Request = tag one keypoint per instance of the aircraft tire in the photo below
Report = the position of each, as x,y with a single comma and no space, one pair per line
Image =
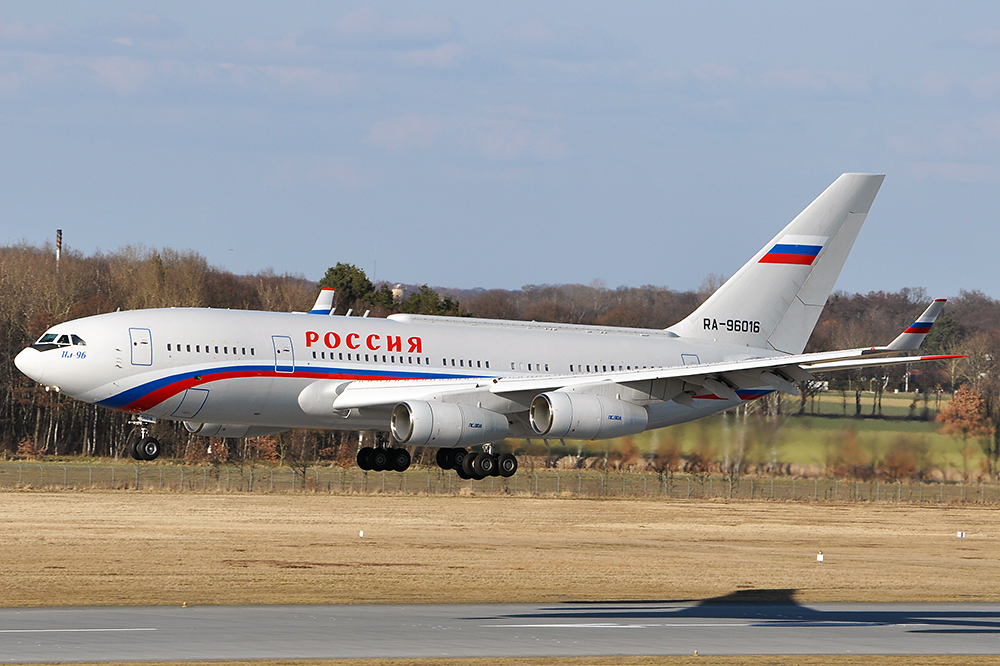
483,465
444,459
148,448
461,473
132,445
400,459
365,455
457,457
380,460
496,465
467,466
507,465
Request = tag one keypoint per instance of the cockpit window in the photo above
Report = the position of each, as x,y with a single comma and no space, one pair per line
57,340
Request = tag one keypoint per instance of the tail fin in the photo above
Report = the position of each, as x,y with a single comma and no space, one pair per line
775,299
914,335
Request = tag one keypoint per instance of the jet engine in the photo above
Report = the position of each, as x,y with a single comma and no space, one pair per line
444,424
229,430
577,416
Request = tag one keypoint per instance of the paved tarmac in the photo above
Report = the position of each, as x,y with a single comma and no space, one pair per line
496,630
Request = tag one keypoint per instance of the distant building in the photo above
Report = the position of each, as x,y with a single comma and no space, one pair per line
399,293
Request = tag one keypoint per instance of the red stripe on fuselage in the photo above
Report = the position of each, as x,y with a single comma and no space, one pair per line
154,398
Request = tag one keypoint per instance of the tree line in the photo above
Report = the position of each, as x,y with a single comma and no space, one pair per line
37,292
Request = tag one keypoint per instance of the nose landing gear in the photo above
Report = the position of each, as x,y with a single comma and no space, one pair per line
140,445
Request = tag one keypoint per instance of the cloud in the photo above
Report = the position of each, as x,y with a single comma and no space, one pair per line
984,37
507,139
370,27
325,171
816,80
441,57
954,171
141,25
498,133
409,131
21,32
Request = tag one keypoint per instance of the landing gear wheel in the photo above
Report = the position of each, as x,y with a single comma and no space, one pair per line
132,445
444,459
457,457
380,460
461,474
507,465
496,465
148,448
365,456
483,465
400,459
467,467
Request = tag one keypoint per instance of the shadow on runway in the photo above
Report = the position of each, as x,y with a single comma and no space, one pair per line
773,608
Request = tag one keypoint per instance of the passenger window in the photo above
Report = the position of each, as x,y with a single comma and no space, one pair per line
546,367
479,364
189,347
588,368
366,358
216,349
314,354
168,346
197,348
225,350
383,358
487,364
461,362
251,351
244,351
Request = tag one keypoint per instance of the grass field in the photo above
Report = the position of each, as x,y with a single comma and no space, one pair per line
99,548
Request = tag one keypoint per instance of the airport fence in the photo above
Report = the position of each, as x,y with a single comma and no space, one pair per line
527,482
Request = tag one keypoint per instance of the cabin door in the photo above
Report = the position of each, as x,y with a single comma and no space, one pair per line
284,355
142,346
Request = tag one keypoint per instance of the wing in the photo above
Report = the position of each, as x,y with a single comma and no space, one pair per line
679,383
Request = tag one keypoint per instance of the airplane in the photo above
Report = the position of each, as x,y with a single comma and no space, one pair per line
453,383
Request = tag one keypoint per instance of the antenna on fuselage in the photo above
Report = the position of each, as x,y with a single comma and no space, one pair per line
349,311
365,314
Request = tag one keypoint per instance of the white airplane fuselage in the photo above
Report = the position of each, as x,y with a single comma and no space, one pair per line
251,368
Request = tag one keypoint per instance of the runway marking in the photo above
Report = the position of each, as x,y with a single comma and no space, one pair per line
66,631
610,625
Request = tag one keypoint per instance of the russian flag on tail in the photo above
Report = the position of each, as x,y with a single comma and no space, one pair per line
794,250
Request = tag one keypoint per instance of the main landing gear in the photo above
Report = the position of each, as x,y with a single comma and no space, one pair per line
141,446
382,458
478,466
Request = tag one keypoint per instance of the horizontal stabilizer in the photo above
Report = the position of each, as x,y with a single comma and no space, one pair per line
324,302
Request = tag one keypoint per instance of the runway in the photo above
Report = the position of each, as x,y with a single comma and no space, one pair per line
505,630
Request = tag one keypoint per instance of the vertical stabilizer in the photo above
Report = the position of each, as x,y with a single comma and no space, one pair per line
774,301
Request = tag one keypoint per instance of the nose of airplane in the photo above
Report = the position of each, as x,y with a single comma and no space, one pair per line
30,362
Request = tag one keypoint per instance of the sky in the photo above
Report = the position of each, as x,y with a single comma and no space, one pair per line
498,145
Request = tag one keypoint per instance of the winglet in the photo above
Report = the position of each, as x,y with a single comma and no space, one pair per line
914,335
324,302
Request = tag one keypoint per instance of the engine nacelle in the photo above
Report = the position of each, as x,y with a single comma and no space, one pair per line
229,430
579,416
445,424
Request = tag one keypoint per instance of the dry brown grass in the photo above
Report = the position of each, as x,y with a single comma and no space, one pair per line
146,548
765,660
